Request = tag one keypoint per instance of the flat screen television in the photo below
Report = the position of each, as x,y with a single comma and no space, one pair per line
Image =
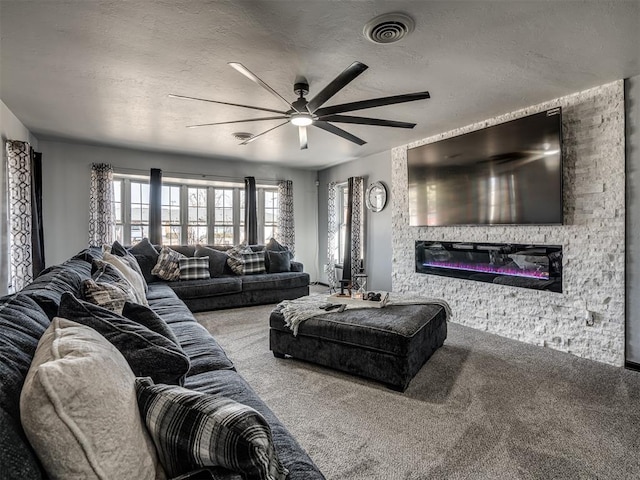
507,174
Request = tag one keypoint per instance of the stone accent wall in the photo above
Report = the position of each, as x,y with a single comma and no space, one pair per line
593,237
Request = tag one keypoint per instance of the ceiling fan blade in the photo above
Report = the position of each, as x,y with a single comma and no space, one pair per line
374,102
237,121
338,131
366,121
302,133
171,95
337,84
253,77
249,140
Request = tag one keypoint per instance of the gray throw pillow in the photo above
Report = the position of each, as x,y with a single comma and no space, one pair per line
148,353
273,246
111,295
192,429
147,257
217,259
150,319
278,261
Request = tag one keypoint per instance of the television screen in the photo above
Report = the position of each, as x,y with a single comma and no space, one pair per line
507,174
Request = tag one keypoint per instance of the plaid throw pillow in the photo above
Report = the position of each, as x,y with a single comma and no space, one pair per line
168,266
111,296
194,268
193,429
246,262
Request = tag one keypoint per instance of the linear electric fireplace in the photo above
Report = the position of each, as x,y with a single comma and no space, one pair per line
520,265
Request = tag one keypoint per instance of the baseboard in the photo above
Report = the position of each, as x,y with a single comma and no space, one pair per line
632,366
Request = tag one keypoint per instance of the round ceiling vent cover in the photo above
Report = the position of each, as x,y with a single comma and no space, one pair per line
388,28
242,136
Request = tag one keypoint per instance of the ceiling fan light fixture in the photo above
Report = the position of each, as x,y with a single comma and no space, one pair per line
301,119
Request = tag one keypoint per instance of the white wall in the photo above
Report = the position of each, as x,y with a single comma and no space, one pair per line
66,171
632,103
593,239
377,241
10,129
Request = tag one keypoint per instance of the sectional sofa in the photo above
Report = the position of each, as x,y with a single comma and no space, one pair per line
26,315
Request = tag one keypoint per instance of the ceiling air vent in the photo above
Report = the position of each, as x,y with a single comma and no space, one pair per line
388,28
242,136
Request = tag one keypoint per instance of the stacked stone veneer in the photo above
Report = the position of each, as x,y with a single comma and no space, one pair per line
593,238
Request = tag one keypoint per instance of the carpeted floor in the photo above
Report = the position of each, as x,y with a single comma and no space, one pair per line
483,407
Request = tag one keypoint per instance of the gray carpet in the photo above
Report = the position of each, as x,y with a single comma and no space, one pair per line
483,407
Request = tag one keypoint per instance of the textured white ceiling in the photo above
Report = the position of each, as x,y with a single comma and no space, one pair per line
100,71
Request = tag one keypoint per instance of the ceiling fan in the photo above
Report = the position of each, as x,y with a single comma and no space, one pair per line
303,113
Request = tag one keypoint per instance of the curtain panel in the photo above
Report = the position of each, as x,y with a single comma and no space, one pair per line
102,224
20,266
250,211
356,205
155,206
332,234
286,230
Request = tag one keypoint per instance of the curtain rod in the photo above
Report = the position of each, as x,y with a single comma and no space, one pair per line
202,176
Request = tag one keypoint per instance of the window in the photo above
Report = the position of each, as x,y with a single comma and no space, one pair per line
171,224
192,212
197,230
342,200
270,214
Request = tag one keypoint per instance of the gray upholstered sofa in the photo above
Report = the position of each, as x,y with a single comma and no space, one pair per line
230,290
24,317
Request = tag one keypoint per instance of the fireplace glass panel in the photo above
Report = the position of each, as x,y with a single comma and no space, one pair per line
520,265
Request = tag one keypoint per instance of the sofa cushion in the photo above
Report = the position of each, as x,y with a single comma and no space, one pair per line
277,262
247,262
22,323
130,274
275,281
17,459
194,268
78,408
186,250
89,254
168,266
147,257
111,296
49,286
150,319
148,353
208,287
118,250
193,429
217,259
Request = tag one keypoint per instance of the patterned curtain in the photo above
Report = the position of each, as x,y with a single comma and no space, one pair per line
356,234
20,267
332,234
286,232
102,223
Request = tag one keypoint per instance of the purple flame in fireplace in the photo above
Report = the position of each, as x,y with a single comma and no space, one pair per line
488,268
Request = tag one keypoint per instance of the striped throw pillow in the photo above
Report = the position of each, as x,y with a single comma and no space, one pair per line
194,268
193,429
168,266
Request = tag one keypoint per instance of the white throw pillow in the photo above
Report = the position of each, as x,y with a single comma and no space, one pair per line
130,275
79,410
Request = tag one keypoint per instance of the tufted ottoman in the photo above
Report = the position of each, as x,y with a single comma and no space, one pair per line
389,344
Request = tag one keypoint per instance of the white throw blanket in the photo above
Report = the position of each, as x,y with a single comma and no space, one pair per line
297,311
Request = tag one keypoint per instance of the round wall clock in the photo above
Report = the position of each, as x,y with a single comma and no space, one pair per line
375,197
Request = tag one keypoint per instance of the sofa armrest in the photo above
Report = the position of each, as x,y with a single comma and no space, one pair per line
296,266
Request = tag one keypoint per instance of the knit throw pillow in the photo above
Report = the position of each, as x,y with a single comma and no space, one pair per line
194,268
193,429
168,264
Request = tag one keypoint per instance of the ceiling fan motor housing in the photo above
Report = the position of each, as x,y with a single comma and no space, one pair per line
301,88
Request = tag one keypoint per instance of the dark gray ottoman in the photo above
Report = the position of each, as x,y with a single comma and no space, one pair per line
389,345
